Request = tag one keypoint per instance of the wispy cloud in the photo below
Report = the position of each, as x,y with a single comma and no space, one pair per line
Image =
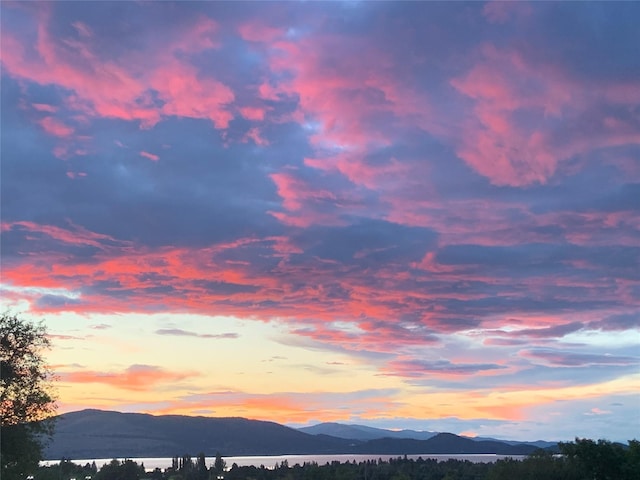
184,333
135,377
151,156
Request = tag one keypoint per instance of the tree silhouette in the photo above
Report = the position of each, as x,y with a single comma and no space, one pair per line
202,473
601,460
219,465
26,401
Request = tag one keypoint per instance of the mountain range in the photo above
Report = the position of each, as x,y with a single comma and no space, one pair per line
107,434
362,432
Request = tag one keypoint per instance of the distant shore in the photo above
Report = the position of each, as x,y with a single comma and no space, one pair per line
269,461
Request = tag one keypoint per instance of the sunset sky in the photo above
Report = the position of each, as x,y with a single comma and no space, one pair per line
400,214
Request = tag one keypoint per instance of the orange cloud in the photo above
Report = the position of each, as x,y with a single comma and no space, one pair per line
135,377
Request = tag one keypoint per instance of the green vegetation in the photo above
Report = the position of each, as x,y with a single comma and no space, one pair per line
66,470
26,401
580,460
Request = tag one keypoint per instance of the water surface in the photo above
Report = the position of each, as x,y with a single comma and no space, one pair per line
269,461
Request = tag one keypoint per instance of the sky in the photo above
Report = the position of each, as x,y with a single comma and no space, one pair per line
398,214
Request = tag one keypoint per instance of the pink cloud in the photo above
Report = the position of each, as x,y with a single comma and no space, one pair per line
253,113
441,368
75,235
55,127
305,203
343,94
255,31
598,411
457,220
43,107
74,175
595,228
284,246
254,135
82,29
268,92
198,36
150,156
372,303
294,191
62,152
187,95
510,139
367,335
497,11
375,177
350,104
430,263
122,88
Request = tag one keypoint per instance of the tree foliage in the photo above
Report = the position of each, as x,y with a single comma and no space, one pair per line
26,400
219,465
541,465
65,470
121,470
602,460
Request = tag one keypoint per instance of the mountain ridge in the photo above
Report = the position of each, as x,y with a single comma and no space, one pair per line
95,433
364,432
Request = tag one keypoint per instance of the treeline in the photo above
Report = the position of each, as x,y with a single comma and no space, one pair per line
580,460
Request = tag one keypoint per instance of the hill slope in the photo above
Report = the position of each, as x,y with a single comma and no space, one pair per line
102,434
442,443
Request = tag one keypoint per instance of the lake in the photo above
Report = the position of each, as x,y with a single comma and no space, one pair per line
269,461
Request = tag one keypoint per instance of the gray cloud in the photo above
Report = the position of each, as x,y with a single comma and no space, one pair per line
572,359
178,332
